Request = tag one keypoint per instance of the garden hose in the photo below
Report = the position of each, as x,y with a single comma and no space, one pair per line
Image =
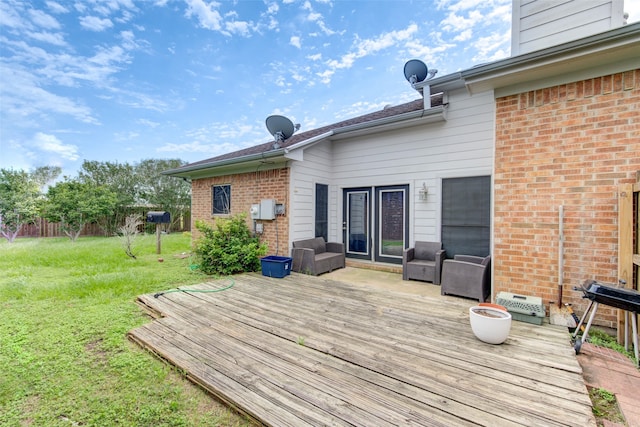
202,291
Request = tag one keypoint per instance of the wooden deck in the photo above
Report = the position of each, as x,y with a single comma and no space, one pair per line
305,350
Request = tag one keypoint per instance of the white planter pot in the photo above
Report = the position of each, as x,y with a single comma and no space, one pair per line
490,324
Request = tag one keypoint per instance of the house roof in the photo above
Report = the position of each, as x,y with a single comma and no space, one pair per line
266,150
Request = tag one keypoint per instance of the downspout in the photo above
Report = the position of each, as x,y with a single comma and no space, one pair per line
560,253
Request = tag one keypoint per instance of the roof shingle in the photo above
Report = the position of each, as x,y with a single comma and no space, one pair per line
415,105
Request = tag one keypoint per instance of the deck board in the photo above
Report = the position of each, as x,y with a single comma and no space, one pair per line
305,350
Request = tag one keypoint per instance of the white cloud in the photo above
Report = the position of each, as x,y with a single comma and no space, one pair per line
93,23
238,27
206,13
493,47
213,139
56,7
148,123
25,97
453,22
432,52
51,144
43,20
366,47
464,36
126,136
56,39
295,41
209,17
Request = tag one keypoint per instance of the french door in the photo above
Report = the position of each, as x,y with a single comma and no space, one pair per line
376,222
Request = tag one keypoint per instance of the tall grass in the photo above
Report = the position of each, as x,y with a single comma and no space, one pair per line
65,310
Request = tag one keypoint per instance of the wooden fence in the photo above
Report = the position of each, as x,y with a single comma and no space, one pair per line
43,228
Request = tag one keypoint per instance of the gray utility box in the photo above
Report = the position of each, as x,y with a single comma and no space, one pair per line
158,217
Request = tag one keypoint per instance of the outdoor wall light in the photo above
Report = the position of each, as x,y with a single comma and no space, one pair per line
422,193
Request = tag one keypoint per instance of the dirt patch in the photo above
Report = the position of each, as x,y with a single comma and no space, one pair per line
95,348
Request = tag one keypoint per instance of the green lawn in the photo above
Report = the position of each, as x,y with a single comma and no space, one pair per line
65,360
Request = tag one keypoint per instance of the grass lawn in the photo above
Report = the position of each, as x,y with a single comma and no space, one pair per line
65,360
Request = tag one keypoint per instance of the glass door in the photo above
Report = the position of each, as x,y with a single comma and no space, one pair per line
356,224
392,219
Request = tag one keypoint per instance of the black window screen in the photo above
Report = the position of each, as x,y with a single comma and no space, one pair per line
322,211
221,199
466,211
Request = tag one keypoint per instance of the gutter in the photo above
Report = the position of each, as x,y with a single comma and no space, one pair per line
618,37
607,38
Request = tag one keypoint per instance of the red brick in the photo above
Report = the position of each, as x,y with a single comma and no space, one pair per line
576,157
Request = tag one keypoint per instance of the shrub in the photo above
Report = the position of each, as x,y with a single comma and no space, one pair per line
228,247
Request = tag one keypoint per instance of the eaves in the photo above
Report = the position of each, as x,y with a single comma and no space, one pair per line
609,52
604,53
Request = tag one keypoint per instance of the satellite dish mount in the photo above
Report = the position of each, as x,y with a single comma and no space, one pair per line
281,128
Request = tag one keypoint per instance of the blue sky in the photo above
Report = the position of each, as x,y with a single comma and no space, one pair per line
125,80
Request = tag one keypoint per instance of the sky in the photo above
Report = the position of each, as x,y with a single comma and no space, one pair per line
125,80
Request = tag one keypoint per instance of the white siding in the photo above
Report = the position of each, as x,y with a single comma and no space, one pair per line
304,175
460,146
538,24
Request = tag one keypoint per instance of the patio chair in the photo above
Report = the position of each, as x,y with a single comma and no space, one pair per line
315,256
423,262
467,276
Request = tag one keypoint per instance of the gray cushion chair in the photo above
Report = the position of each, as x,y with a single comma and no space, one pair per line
315,256
423,262
467,276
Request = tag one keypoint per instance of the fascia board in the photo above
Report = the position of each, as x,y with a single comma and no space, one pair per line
294,152
568,76
203,169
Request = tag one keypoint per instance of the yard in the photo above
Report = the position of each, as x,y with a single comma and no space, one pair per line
65,310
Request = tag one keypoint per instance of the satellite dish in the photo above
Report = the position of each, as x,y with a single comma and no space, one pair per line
281,128
416,71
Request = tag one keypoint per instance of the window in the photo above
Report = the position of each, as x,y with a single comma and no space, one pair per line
221,195
322,211
466,212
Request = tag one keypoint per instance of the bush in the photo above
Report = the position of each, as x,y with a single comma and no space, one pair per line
228,247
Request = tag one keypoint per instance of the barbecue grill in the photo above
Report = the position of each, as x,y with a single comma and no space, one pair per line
624,299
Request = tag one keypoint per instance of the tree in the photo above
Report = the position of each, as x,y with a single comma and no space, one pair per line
21,196
161,191
121,179
74,204
43,175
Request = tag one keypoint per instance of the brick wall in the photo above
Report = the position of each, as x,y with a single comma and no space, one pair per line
570,145
247,189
